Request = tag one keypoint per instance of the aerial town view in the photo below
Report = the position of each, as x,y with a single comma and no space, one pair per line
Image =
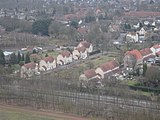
79,59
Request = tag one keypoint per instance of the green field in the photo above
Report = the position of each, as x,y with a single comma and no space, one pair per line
6,114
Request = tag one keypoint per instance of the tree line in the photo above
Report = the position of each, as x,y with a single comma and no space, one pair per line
14,58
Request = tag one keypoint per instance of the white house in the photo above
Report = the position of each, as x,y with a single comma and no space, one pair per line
87,45
142,33
47,63
146,23
64,58
108,69
155,49
7,55
136,26
29,69
133,36
80,53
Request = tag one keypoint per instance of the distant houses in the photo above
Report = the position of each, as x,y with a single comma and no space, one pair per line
104,71
49,63
133,36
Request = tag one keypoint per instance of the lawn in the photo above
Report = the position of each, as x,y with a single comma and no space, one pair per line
6,114
52,53
102,59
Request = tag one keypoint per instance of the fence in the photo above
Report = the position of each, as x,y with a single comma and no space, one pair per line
83,104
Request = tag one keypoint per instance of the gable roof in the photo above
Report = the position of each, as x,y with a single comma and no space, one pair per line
141,14
65,53
85,44
145,51
156,46
90,73
135,53
109,65
81,49
48,59
132,33
31,65
82,30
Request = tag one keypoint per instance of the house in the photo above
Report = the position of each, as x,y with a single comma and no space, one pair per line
64,58
7,56
147,54
47,63
2,30
142,33
155,49
132,58
108,69
133,36
80,53
89,77
114,28
87,45
29,69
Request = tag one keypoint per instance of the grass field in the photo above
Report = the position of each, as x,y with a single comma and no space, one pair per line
6,114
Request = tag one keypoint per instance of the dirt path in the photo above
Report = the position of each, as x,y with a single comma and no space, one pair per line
59,115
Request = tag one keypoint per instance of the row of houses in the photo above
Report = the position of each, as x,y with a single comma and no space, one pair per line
104,71
138,57
133,59
65,57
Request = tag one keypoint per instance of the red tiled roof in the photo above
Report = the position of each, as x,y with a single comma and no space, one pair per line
133,33
142,14
158,53
109,65
48,59
34,56
82,30
145,51
81,49
65,53
85,44
148,57
90,73
31,65
136,53
156,46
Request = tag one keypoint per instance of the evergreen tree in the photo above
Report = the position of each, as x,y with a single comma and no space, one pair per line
13,58
34,51
22,58
46,55
19,57
2,58
27,58
144,68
